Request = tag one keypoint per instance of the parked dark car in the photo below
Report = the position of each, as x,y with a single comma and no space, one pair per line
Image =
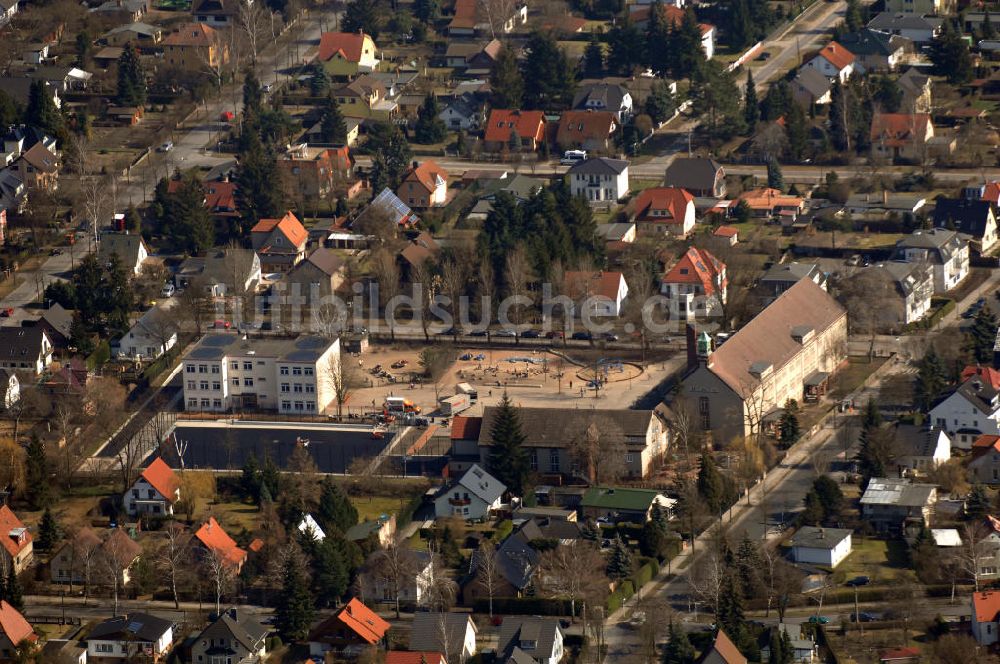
864,616
530,334
859,581
582,336
477,333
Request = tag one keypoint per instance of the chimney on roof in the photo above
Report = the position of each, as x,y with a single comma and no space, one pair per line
415,164
822,533
232,613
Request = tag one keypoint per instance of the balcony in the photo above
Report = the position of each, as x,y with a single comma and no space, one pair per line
459,502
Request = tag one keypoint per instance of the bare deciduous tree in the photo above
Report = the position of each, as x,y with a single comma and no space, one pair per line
253,26
386,272
117,553
393,568
598,451
518,274
343,379
488,574
221,573
174,556
574,572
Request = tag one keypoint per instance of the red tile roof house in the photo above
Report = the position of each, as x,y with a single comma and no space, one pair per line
424,185
723,651
464,451
833,61
14,630
664,211
316,173
598,293
349,631
986,616
155,491
592,131
695,286
214,541
727,236
280,243
901,135
503,124
15,542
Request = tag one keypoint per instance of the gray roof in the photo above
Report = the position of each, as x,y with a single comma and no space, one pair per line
692,173
790,272
216,346
901,492
241,626
887,201
522,186
517,630
607,95
59,318
913,82
600,166
916,441
141,626
980,394
216,269
124,245
872,42
21,344
547,528
966,215
326,261
614,232
462,49
426,635
819,538
482,484
906,277
557,427
939,244
138,27
518,656
813,82
889,21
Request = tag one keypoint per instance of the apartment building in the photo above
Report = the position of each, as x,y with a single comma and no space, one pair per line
226,372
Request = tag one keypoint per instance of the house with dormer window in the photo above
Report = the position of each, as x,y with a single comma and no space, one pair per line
530,638
25,349
280,243
695,286
16,547
235,637
474,496
155,492
971,410
424,185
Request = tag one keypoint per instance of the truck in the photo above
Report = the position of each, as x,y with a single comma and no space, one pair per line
400,405
454,405
465,388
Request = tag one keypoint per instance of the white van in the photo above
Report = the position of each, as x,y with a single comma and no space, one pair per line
571,157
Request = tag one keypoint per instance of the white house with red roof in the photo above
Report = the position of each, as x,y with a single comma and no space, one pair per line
599,293
280,243
14,630
833,61
213,540
347,53
16,546
695,287
986,616
155,491
665,211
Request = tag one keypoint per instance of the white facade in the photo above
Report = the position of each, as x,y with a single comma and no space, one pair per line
260,374
124,650
150,337
947,274
13,392
964,420
603,305
142,498
414,589
831,70
460,502
599,188
828,557
921,463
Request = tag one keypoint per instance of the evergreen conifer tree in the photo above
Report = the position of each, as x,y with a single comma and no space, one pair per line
335,509
751,108
429,127
331,123
295,607
620,563
508,460
48,531
711,486
131,78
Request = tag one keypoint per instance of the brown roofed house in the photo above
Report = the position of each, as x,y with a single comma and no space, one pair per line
503,125
195,46
424,185
280,243
587,130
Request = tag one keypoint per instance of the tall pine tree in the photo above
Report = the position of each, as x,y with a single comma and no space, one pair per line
295,607
982,336
335,509
593,59
506,84
678,649
37,482
751,109
931,380
429,127
508,460
131,78
331,123
711,486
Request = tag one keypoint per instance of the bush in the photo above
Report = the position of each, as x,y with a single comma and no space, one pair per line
504,528
100,356
273,642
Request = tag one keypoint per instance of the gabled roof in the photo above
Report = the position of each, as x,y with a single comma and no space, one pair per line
820,538
692,173
466,428
790,272
220,195
986,605
133,626
14,626
9,523
968,216
192,34
481,484
727,650
602,283
240,626
23,344
589,125
426,633
124,245
428,174
358,618
917,441
872,42
599,166
603,95
161,477
836,55
346,45
556,427
289,226
518,631
389,203
768,198
120,549
987,374
898,129
527,125
325,260
421,248
897,492
673,200
58,318
41,159
213,537
889,21
697,266
813,81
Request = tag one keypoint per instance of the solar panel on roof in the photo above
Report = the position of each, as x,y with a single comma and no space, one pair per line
388,198
134,626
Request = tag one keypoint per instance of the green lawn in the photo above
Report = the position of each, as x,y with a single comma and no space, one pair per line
852,376
372,507
884,562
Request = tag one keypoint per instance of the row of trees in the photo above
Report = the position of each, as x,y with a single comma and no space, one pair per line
545,79
101,295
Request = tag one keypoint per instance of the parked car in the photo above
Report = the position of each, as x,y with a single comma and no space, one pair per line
168,290
859,581
819,620
610,336
555,335
7,312
864,616
530,334
582,336
477,333
56,252
451,331
222,325
166,146
399,364
505,333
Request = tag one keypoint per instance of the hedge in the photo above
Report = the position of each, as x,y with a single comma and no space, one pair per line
620,595
100,356
532,606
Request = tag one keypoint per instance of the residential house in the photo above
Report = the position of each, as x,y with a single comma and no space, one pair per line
382,530
13,197
280,243
976,219
901,135
365,97
821,546
890,504
787,351
986,617
462,113
600,180
879,207
503,125
37,168
811,86
600,293
217,13
212,541
18,88
235,637
766,202
804,649
833,61
516,562
472,55
782,276
624,504
319,275
154,492
917,91
112,550
701,176
130,249
347,53
665,211
588,130
413,591
10,389
918,29
424,185
151,336
416,253
122,10
970,410
550,434
220,273
309,527
616,236
474,496
464,451
984,462
451,633
920,449
673,15
610,97
472,18
348,632
14,631
195,47
696,285
7,10
25,349
391,207
723,651
62,78
16,543
921,7
36,54
133,635
316,173
945,251
530,638
314,135
874,50
905,291
64,651
143,35
521,187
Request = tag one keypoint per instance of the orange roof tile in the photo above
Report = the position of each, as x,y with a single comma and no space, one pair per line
663,204
988,374
10,523
836,55
697,266
601,283
426,174
727,650
766,198
527,124
213,537
899,653
897,129
986,604
414,657
363,621
726,231
162,478
192,34
576,126
220,195
465,14
14,626
991,192
348,44
466,428
289,225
